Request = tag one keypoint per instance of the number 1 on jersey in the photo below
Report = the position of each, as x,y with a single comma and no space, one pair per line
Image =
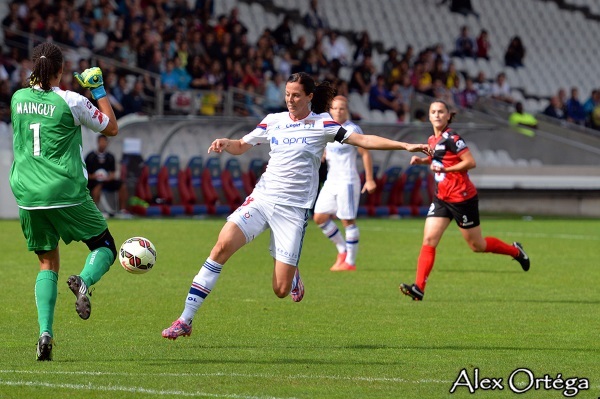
36,138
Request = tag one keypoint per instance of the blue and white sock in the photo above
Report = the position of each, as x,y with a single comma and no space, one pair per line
330,229
352,236
202,285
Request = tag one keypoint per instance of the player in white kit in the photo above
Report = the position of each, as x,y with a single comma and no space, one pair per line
340,194
285,192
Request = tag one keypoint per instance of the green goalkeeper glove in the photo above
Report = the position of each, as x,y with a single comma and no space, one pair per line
91,79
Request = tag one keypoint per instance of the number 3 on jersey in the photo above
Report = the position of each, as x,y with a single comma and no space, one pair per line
36,138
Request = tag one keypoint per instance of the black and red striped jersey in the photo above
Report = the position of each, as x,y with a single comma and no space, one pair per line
450,186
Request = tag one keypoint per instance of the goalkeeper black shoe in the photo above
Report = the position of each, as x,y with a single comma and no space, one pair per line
83,306
44,348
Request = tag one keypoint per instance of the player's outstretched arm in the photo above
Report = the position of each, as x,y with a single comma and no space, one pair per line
234,147
372,142
92,79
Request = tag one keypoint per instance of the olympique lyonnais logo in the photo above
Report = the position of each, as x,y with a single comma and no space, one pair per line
520,381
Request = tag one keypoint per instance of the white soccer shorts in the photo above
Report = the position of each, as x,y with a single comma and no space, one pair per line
341,200
287,224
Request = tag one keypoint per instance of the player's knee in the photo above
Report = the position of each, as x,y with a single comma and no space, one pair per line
281,292
320,218
477,246
221,251
103,240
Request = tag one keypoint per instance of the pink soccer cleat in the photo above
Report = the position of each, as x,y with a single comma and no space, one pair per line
341,258
178,329
343,267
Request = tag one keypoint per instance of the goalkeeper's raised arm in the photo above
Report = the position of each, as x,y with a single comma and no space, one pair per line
92,79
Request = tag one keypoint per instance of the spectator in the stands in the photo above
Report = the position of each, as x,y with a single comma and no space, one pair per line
5,97
463,7
465,45
389,69
574,109
483,45
405,91
133,102
501,89
421,78
555,109
283,34
175,77
438,71
363,45
361,76
274,94
441,92
468,97
198,73
380,98
452,76
314,19
513,57
523,121
591,103
335,48
420,116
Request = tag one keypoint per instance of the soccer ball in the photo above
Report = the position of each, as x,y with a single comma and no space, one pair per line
137,255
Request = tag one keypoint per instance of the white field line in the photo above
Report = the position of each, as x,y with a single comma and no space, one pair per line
117,388
235,375
506,233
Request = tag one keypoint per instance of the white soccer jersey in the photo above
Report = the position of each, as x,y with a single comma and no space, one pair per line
341,159
84,112
292,174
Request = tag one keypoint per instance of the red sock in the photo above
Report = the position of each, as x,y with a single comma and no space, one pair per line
424,266
497,246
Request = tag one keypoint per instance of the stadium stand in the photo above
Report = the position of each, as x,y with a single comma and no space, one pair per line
557,34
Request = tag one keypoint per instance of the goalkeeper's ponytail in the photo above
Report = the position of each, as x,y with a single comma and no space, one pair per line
47,63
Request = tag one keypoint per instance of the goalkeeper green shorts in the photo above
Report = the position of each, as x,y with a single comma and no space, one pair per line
43,228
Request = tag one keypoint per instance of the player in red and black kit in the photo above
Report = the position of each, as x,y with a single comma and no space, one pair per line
455,198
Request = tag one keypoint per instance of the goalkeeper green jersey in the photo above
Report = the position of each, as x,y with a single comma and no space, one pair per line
48,170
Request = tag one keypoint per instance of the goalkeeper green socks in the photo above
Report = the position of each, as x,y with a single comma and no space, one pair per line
45,299
96,265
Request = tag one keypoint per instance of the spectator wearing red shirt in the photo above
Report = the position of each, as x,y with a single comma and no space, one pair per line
455,198
483,45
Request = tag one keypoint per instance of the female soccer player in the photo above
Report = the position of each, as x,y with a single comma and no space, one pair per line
285,193
341,192
455,198
49,181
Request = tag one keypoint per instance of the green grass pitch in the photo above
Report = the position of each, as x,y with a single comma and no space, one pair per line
353,336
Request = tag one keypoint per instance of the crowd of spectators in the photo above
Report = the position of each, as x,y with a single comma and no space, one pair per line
178,48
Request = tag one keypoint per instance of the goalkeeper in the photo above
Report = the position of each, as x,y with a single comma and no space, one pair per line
49,181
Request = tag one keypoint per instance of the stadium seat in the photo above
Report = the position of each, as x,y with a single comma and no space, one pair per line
390,188
368,202
147,189
233,184
168,187
418,189
199,196
256,168
212,175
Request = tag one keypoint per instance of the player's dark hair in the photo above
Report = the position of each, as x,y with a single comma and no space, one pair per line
322,92
452,113
47,63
